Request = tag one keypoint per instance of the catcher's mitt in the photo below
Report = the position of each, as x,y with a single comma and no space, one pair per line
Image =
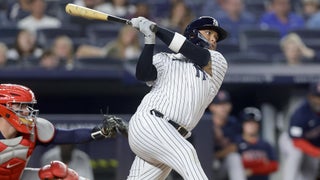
110,126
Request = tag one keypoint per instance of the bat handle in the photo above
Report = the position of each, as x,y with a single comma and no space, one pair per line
153,27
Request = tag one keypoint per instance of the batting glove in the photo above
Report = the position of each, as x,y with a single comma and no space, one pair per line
144,26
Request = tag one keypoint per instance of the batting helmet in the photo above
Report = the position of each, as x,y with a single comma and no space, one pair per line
204,22
22,116
251,114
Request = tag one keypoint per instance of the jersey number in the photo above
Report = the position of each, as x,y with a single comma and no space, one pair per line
199,71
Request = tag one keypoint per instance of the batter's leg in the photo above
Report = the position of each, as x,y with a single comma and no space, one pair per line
141,169
161,143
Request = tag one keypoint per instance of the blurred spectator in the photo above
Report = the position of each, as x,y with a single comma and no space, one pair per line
83,22
227,161
88,3
258,156
300,145
63,48
72,157
179,17
210,6
18,10
281,17
3,55
311,10
38,19
125,47
49,60
142,9
234,17
121,8
25,48
296,52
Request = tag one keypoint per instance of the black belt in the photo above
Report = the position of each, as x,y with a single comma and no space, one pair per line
183,131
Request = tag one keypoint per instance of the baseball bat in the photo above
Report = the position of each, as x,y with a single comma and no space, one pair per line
80,11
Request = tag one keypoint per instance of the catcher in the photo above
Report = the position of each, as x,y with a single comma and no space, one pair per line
22,130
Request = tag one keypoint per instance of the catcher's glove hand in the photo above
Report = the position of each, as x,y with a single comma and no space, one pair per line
122,126
110,126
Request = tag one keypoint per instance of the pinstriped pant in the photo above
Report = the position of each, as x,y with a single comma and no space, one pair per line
159,148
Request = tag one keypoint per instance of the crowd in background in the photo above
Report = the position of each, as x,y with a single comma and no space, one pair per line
39,33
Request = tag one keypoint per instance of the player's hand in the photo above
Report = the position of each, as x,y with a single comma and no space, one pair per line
57,170
110,126
122,125
248,172
144,25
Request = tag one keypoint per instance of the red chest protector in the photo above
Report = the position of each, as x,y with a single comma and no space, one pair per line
15,152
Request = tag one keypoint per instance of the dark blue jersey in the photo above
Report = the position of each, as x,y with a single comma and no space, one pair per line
260,157
305,124
230,131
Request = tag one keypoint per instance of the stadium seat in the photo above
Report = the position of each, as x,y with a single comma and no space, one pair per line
100,34
247,57
255,7
246,36
45,36
308,34
265,46
228,47
8,35
98,63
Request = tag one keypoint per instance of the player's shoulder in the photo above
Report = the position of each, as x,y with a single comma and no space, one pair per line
45,130
303,110
215,53
217,56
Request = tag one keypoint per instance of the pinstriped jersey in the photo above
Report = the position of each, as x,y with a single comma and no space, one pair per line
182,90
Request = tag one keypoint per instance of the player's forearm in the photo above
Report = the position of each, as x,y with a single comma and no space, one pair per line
178,43
74,136
307,147
225,151
264,169
145,71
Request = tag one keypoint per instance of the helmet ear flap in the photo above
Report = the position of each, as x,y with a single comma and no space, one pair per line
196,38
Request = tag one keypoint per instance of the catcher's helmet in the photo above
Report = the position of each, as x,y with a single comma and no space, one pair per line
22,116
251,114
204,22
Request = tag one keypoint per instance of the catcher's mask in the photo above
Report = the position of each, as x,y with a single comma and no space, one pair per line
16,106
204,22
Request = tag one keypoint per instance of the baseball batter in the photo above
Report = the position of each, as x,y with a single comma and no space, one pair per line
21,130
183,85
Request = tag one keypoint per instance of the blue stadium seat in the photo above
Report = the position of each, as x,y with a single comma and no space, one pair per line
264,46
228,47
98,63
247,58
246,36
100,34
45,36
8,35
255,7
308,34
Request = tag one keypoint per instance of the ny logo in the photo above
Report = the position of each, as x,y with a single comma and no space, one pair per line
200,71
